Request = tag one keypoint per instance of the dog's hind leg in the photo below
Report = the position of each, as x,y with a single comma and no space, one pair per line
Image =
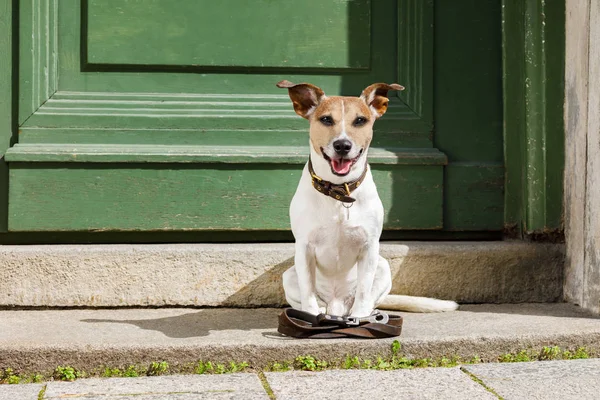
291,289
382,283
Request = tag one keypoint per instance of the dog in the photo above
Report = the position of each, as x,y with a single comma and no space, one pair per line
336,214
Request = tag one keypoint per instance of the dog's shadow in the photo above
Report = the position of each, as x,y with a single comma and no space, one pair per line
265,289
201,322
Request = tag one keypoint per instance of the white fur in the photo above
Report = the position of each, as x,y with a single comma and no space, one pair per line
338,268
416,304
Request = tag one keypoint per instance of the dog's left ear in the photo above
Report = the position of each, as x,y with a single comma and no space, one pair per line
305,96
376,97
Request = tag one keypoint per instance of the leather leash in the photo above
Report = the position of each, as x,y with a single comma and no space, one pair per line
303,325
340,192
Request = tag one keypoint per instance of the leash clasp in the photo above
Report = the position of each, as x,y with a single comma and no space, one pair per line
377,317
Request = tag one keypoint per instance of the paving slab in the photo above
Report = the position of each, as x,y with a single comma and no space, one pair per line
548,380
231,386
249,275
20,392
426,383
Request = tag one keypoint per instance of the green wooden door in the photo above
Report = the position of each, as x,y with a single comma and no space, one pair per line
155,115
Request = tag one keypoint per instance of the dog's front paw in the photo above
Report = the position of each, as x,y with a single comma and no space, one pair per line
311,306
361,312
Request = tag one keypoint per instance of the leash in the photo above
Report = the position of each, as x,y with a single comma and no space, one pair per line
303,325
340,192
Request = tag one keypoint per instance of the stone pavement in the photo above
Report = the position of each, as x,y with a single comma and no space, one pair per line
548,380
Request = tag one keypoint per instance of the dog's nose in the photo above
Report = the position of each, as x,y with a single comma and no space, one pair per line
342,146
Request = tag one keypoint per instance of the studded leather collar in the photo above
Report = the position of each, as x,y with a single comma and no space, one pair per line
340,192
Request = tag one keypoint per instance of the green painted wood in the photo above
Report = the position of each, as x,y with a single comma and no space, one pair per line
473,197
533,41
468,112
220,102
6,102
261,33
468,76
415,56
186,111
38,54
513,36
106,153
205,137
240,80
172,122
6,76
142,197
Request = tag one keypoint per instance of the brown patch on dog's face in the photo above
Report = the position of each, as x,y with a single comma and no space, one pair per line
338,116
341,128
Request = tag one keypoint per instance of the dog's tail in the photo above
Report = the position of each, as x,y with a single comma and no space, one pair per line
416,304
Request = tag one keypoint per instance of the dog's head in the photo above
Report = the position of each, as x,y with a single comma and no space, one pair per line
341,128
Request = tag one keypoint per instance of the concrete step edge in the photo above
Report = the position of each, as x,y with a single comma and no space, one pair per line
39,341
249,275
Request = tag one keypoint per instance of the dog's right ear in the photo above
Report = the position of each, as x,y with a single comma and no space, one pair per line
305,97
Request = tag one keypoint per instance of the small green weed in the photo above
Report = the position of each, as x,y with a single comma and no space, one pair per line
381,364
521,356
580,353
545,354
279,367
8,376
550,353
448,362
67,373
474,360
220,369
42,393
211,368
309,363
158,368
351,362
204,368
129,372
111,372
237,367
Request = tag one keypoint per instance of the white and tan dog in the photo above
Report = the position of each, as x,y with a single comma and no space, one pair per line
338,269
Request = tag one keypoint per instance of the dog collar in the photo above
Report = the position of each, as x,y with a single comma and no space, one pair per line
340,192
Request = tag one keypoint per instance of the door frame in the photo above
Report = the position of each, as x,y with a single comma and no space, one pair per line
533,46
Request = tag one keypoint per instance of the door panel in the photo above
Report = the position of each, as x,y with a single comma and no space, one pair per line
137,115
261,33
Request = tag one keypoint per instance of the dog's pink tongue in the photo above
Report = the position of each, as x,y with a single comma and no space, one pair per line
341,166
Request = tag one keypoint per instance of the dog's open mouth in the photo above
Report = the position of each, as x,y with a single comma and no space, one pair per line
341,166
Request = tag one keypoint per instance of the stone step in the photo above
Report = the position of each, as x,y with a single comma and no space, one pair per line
249,275
41,340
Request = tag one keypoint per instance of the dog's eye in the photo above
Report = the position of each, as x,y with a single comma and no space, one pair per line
326,120
359,121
